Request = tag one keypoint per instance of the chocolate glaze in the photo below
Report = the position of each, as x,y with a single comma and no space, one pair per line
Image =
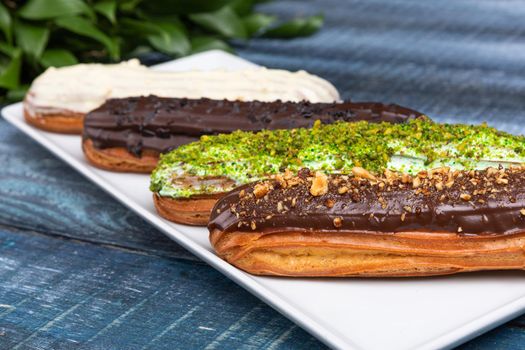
489,202
161,124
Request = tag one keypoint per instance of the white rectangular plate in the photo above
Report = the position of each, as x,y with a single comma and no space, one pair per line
423,313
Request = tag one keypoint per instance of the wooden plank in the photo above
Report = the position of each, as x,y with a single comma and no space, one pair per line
56,293
41,193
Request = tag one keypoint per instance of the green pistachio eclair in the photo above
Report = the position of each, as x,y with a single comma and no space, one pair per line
219,163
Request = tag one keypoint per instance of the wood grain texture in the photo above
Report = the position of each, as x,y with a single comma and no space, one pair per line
60,293
44,194
78,270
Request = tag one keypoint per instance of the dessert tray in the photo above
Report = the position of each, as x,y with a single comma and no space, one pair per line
396,313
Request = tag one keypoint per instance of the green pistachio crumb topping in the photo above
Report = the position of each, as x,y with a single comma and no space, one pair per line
409,147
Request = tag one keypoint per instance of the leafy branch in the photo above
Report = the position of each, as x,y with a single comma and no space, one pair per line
37,34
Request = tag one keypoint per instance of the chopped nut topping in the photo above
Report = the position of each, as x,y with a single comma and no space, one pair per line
338,222
253,225
382,201
363,173
281,181
294,181
319,184
390,176
491,171
261,189
465,196
502,181
417,195
405,178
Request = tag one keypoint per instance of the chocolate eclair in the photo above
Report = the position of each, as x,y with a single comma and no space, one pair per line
188,179
129,134
59,98
436,222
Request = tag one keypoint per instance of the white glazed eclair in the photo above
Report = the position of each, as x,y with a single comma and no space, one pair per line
59,98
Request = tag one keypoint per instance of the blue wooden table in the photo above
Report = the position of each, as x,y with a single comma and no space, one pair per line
78,270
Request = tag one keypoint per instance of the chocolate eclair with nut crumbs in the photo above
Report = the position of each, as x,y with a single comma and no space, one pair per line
438,221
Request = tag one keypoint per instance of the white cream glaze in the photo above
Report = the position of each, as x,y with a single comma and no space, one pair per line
84,87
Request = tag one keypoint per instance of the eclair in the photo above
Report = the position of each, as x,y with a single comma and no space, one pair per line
128,134
436,222
59,98
189,179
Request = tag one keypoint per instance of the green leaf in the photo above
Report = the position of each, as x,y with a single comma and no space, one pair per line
172,40
107,8
5,23
128,5
297,27
183,6
81,26
10,74
205,43
8,49
224,21
18,93
31,39
242,7
57,58
257,23
166,36
140,28
47,9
